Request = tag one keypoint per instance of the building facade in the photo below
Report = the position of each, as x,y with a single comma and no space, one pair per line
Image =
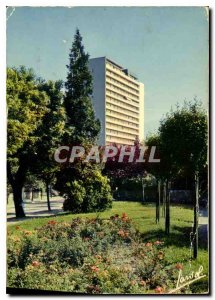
118,99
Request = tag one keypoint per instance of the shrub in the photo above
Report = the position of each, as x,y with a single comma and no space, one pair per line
89,195
93,256
74,200
98,193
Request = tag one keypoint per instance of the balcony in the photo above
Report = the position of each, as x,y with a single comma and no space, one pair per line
120,117
127,89
113,94
120,73
126,130
122,122
113,102
122,111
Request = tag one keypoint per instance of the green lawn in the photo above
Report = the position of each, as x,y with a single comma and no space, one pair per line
177,245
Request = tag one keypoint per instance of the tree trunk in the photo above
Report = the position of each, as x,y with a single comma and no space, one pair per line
158,204
17,182
167,220
143,186
196,217
32,195
48,194
18,202
164,200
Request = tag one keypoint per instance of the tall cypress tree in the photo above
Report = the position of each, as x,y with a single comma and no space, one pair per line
82,184
81,119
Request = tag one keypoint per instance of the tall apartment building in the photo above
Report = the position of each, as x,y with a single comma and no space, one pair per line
118,100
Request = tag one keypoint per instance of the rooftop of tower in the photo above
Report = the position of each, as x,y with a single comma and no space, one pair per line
126,71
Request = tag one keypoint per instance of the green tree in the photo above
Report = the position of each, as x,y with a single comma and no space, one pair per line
82,128
26,106
183,139
51,132
183,136
81,119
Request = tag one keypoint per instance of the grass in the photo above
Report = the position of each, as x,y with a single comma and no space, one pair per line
177,244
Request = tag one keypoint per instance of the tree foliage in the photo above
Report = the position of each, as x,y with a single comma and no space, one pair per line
26,105
183,136
81,119
51,133
82,184
26,108
90,193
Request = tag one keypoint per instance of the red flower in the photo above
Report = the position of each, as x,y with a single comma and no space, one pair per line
143,283
35,263
133,282
27,232
121,233
124,217
52,222
94,269
179,266
159,290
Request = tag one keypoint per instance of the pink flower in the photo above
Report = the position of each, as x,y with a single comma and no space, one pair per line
159,290
94,269
157,243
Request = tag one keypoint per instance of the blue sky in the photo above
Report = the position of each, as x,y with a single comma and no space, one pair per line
167,48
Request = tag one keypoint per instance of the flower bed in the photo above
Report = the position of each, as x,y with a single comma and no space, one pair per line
93,256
